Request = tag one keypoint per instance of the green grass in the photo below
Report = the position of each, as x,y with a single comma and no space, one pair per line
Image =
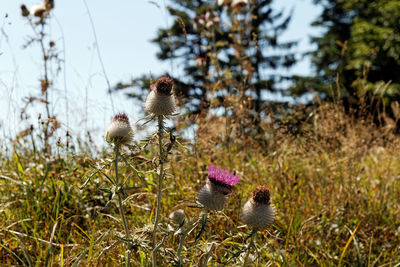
336,187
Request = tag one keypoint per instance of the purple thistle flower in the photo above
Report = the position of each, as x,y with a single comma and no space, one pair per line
222,176
214,194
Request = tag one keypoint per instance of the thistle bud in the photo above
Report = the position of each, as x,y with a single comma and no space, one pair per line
258,212
161,100
178,217
119,131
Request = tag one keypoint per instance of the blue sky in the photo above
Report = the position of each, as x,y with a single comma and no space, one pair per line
123,30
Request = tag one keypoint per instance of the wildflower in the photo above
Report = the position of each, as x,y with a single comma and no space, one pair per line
38,10
161,99
219,184
119,131
178,217
258,212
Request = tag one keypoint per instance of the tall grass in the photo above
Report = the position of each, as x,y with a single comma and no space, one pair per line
333,178
334,183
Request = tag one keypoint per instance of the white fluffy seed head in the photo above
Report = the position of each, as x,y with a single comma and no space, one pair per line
177,217
211,197
259,216
119,131
160,104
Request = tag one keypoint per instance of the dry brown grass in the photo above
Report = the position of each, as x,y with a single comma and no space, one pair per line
330,174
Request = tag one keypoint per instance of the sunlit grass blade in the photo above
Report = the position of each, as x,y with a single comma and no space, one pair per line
348,242
50,244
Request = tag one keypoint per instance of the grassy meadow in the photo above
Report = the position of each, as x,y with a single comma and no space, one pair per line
333,174
334,181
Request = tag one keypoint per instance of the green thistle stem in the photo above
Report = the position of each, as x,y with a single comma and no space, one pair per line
116,164
203,224
201,221
121,209
160,179
251,243
179,253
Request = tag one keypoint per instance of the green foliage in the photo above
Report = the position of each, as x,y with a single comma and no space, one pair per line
360,45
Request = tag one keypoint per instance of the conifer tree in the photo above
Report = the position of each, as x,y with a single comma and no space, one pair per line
360,49
223,47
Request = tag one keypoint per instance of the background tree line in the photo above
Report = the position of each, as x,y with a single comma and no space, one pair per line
234,48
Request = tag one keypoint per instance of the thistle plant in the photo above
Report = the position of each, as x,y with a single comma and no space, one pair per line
213,196
219,184
160,103
257,213
178,217
119,133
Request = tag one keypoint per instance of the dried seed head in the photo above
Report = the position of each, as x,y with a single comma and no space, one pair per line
261,194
